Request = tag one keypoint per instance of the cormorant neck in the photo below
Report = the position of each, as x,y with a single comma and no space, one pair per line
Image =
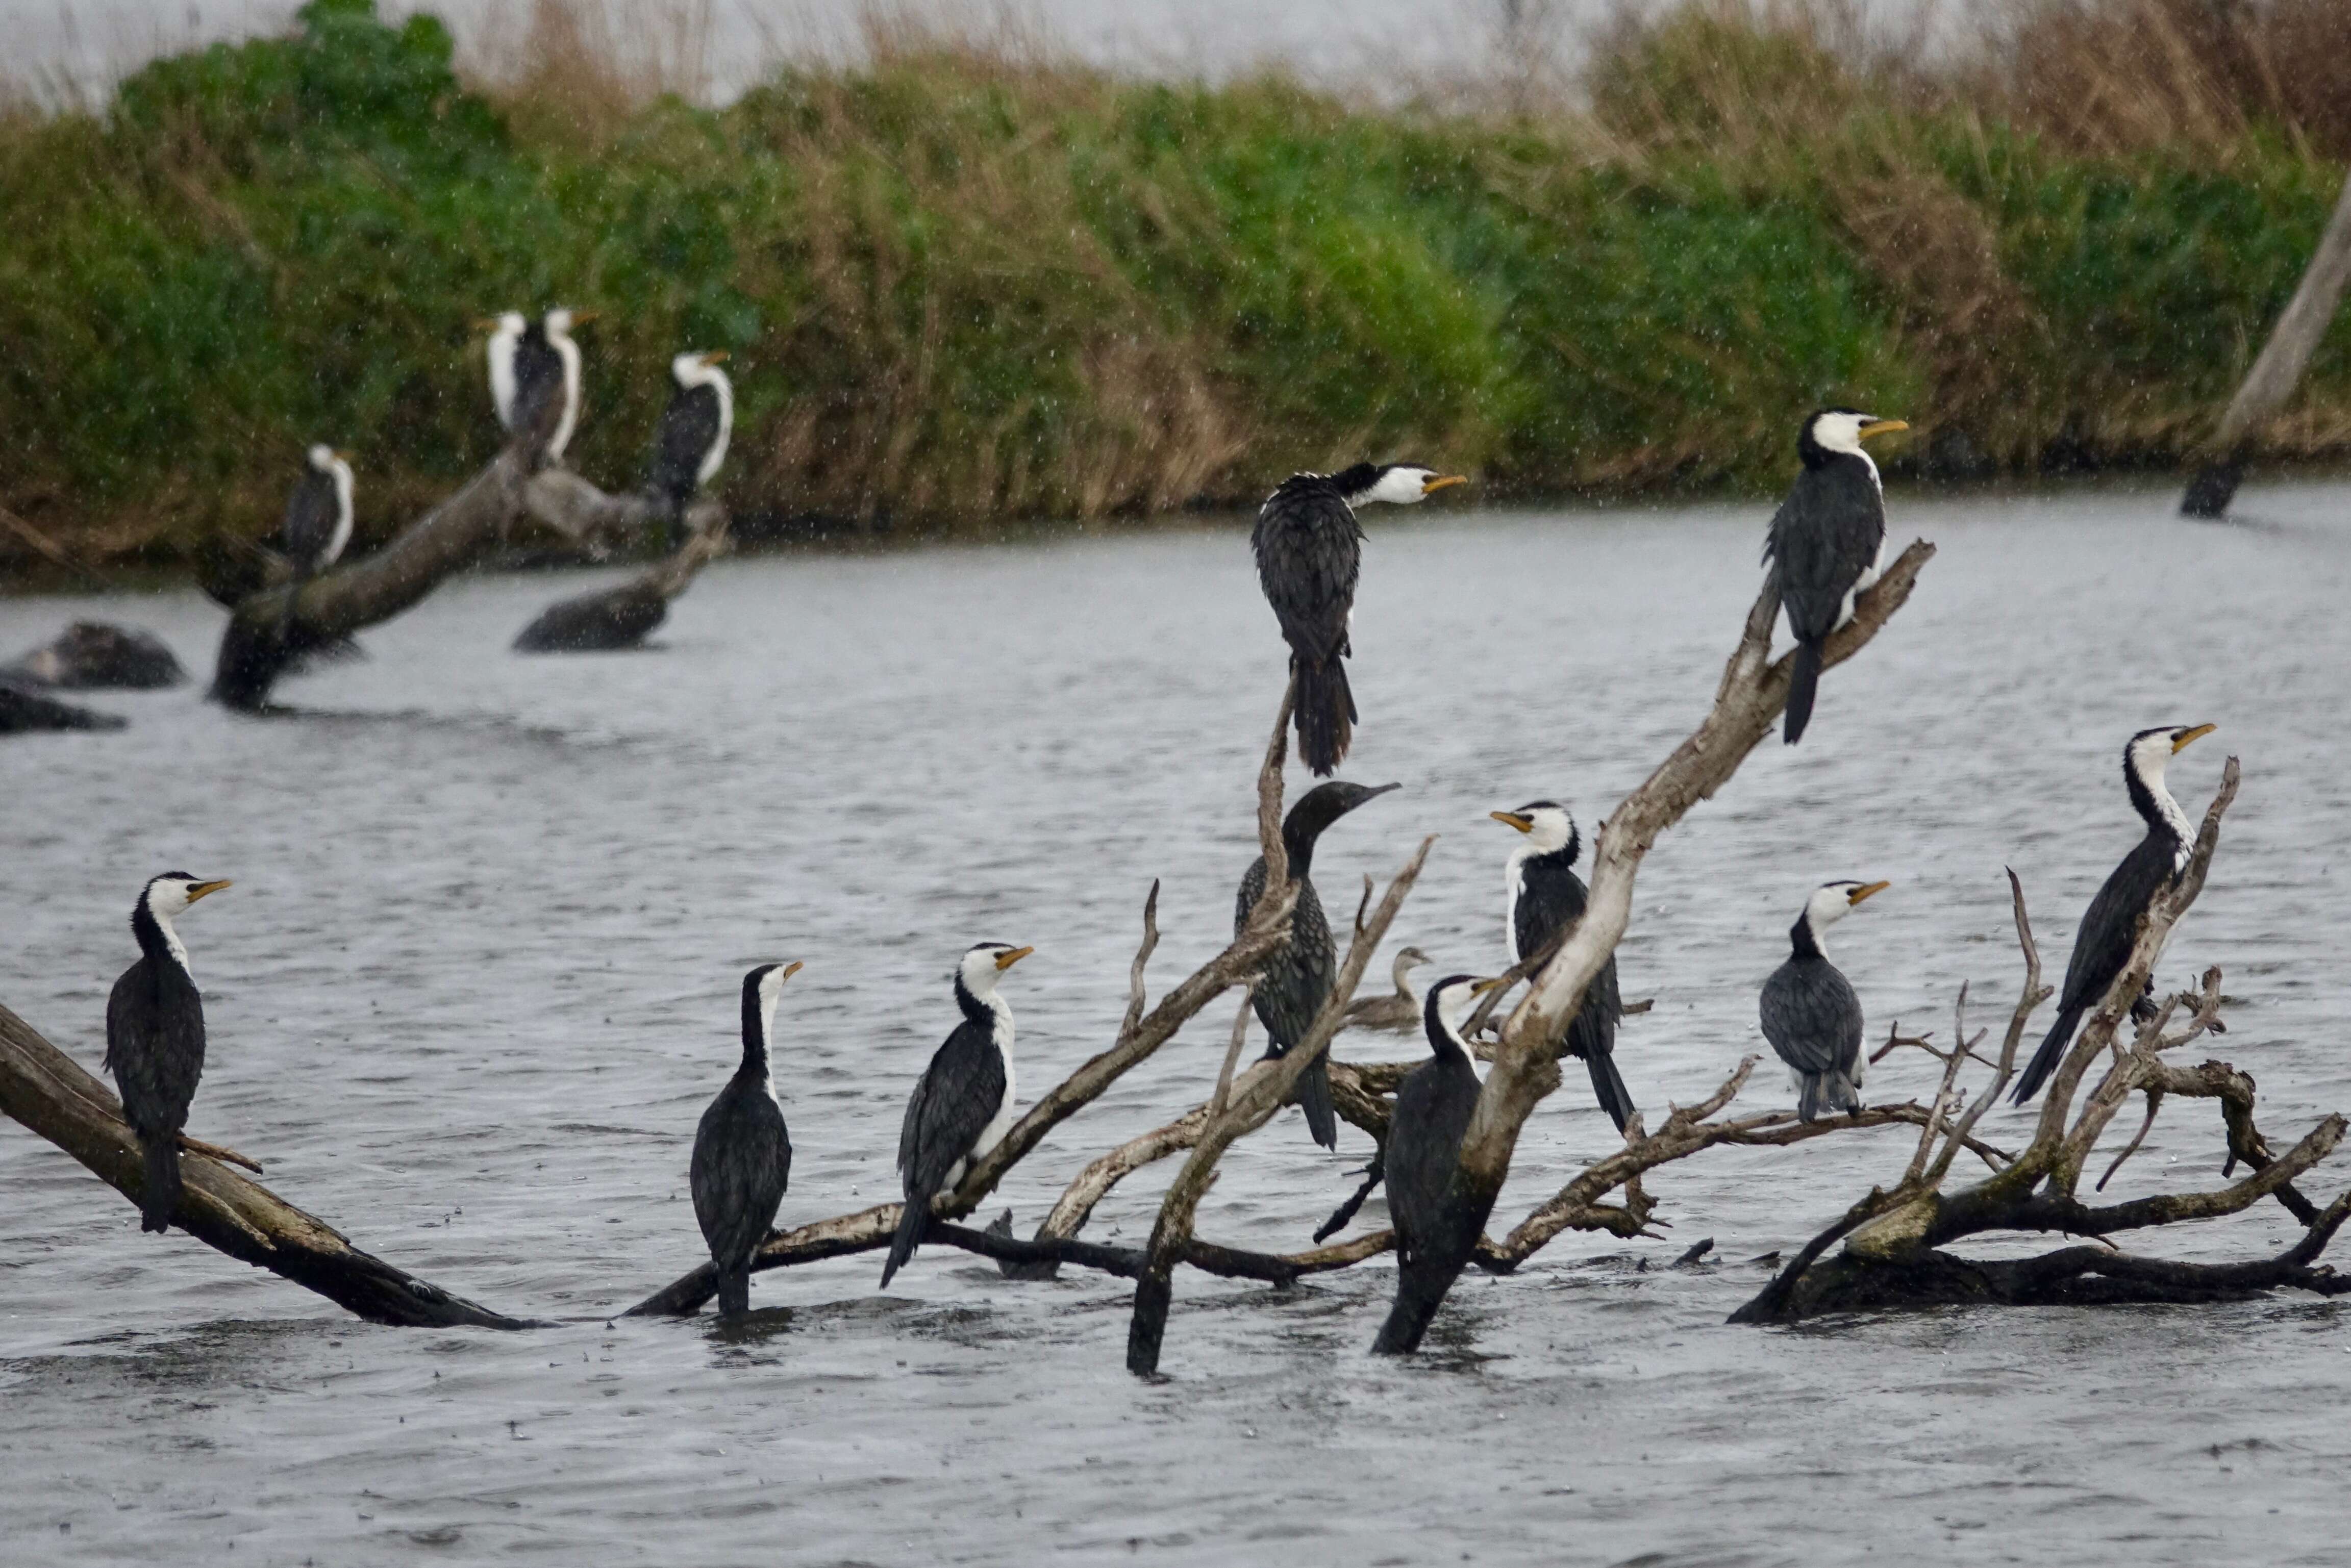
1444,1040
758,1020
1804,939
2152,800
157,939
986,1011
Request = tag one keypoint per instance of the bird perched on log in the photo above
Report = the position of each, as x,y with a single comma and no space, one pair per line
964,1103
2109,928
155,1038
1810,1015
1309,553
1541,897
1300,973
692,441
1397,1014
742,1150
1827,537
317,514
535,377
1433,1107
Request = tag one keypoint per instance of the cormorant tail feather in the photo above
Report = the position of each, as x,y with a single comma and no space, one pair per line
1326,714
2044,1060
1804,676
1608,1088
159,1199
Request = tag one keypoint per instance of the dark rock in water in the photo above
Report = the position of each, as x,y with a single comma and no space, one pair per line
596,622
1047,1270
92,655
23,710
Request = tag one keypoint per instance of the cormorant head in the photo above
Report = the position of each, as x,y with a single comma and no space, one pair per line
505,324
168,894
1326,803
1548,825
1833,901
698,370
1835,431
985,962
325,459
560,322
2150,750
1450,1002
1399,484
761,986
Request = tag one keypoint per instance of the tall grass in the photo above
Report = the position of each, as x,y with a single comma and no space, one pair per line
966,280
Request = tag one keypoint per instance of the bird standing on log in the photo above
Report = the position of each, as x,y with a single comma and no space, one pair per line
535,377
1541,897
742,1150
2109,928
1810,1015
1433,1107
1308,554
1828,537
1300,973
964,1103
692,441
155,1038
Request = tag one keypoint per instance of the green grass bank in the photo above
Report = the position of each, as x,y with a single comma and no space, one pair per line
961,288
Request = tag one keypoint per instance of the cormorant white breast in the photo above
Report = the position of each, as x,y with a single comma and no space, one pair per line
318,514
1541,897
535,377
155,1038
742,1150
1399,1013
1810,1015
692,441
2110,925
1308,554
1300,973
964,1103
1828,537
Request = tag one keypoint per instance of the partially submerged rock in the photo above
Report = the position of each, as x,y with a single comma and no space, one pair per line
92,655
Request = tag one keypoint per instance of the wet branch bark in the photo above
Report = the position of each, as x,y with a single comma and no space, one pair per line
622,616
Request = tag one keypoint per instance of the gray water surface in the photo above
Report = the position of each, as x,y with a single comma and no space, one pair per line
477,978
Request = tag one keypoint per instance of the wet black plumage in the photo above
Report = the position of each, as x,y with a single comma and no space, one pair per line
1811,1013
1434,1106
155,1041
1309,551
317,523
691,441
537,410
1826,538
742,1153
967,1089
1300,973
1547,896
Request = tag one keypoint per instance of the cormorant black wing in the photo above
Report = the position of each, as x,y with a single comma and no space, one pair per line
742,1165
1309,551
1812,1015
311,514
538,386
959,1094
1433,1107
2102,944
155,1045
1824,536
688,427
1300,973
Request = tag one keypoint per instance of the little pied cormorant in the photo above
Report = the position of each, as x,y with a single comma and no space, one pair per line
1308,554
318,514
1542,897
1300,973
2109,926
692,441
155,1038
1433,1106
1397,1014
535,377
964,1103
1810,1015
742,1150
1828,537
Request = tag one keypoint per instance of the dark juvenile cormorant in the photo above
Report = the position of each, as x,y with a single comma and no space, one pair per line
318,514
2110,925
535,377
742,1152
1542,895
1397,1014
695,428
1827,537
1432,1105
1300,973
964,1103
155,1038
1810,1015
1309,552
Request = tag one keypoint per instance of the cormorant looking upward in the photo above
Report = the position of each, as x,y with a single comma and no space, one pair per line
1828,537
964,1103
1433,1107
742,1150
1542,896
692,441
2109,928
1309,553
155,1038
1300,973
1810,1015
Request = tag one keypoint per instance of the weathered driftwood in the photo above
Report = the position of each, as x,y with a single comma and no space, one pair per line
2277,370
92,655
50,1093
24,711
621,617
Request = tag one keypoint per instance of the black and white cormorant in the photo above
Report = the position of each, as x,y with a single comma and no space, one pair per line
1542,897
1309,553
1810,1015
317,514
964,1103
155,1038
692,441
742,1150
1433,1106
1300,973
2110,925
1398,1013
1828,537
535,377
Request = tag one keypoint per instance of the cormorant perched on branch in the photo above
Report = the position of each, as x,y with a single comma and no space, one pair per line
1827,537
1810,1015
1300,973
155,1038
1433,1107
695,429
535,377
742,1150
2109,926
1309,553
317,514
964,1103
1542,896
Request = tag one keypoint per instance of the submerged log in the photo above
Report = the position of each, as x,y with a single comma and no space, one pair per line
26,712
92,655
618,618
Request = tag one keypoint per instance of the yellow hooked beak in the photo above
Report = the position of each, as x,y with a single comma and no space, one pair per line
199,889
1436,482
1482,986
485,323
791,969
2181,741
581,317
1883,427
714,356
1865,891
1512,820
342,456
1006,960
